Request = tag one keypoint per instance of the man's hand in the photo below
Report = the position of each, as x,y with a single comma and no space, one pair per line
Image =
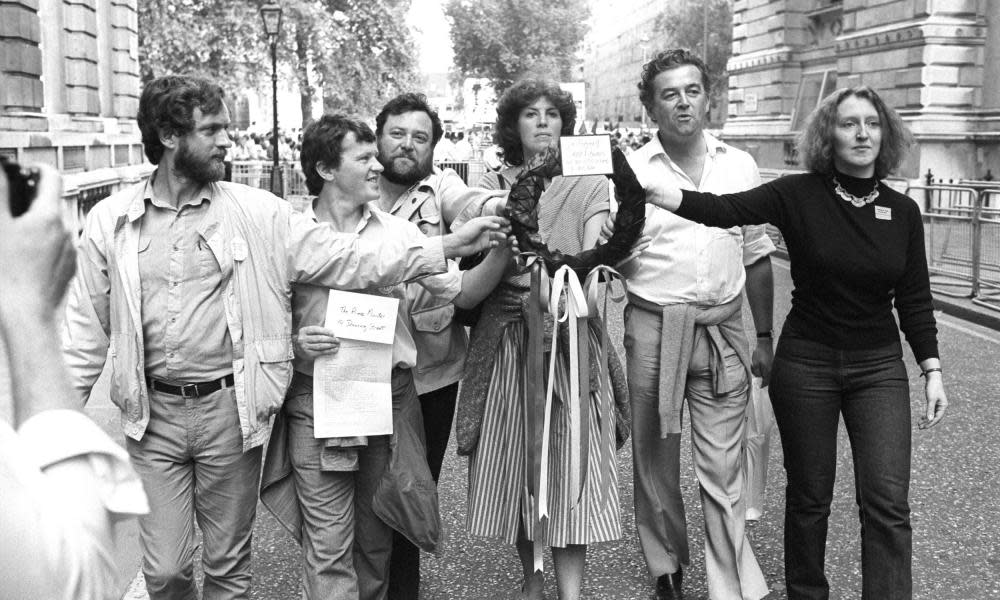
481,233
37,256
314,341
760,362
495,206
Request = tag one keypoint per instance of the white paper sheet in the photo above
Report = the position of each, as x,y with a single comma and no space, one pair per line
362,316
585,154
352,389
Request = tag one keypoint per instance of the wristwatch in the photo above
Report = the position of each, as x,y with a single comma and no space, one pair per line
764,335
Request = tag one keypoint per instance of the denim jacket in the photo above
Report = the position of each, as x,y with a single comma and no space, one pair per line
262,246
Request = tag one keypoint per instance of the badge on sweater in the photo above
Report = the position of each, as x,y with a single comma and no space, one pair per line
883,212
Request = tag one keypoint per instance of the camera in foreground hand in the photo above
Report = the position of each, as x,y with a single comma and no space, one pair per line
22,185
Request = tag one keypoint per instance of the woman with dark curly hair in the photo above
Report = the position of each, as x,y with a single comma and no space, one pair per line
856,248
531,116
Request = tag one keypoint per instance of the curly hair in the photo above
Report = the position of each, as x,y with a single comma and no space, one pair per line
166,107
664,61
815,143
410,102
518,97
322,144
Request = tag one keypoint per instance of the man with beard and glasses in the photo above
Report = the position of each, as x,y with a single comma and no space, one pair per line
407,130
183,286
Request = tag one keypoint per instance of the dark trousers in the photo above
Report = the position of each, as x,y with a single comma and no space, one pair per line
812,385
438,408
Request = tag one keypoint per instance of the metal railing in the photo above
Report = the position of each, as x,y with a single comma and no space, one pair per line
292,182
987,285
962,235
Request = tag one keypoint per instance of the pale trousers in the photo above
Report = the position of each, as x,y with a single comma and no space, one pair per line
346,546
717,437
192,465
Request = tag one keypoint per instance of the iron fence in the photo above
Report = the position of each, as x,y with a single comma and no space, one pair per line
962,235
988,242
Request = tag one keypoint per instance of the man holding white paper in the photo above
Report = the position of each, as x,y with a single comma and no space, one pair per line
322,489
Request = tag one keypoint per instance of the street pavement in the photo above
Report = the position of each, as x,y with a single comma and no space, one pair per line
955,483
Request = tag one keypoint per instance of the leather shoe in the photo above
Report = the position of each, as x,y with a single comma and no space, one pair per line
668,586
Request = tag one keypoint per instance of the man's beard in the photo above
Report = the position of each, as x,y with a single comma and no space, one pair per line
195,168
407,176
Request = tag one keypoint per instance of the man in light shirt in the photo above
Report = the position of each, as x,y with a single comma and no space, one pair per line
63,481
407,131
321,489
684,339
183,285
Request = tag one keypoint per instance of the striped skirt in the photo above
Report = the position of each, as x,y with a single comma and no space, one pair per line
498,497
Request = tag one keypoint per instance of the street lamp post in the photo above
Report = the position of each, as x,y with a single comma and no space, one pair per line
271,15
644,45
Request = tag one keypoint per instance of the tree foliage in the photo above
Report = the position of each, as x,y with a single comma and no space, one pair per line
682,24
349,52
219,39
505,40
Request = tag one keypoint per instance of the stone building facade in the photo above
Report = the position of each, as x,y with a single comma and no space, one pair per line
619,43
937,62
69,91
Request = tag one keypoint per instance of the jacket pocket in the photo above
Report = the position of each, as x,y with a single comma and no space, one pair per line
266,388
432,333
124,393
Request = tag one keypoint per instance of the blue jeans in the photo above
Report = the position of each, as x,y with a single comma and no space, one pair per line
812,385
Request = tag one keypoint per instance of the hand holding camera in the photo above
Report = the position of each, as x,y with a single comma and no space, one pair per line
37,255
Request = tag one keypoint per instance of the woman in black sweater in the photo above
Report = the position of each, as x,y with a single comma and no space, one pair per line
856,248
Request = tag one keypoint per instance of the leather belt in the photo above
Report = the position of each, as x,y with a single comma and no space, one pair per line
190,390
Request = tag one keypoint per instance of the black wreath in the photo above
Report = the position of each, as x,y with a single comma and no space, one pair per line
522,210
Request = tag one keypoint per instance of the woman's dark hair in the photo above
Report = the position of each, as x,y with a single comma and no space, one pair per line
815,144
410,102
518,97
322,144
664,61
166,107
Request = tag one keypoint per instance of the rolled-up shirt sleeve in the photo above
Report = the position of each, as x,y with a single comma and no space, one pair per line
756,244
63,483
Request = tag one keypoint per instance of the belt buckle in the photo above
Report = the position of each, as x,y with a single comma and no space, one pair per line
189,390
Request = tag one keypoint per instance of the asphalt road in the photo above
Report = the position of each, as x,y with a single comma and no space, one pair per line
956,513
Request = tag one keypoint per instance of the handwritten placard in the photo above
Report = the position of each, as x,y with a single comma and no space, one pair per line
362,316
585,154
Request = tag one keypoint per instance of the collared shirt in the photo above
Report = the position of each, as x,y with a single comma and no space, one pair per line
52,549
687,262
309,302
183,316
441,343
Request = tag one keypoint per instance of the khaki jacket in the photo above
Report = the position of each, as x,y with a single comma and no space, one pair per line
441,343
262,246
